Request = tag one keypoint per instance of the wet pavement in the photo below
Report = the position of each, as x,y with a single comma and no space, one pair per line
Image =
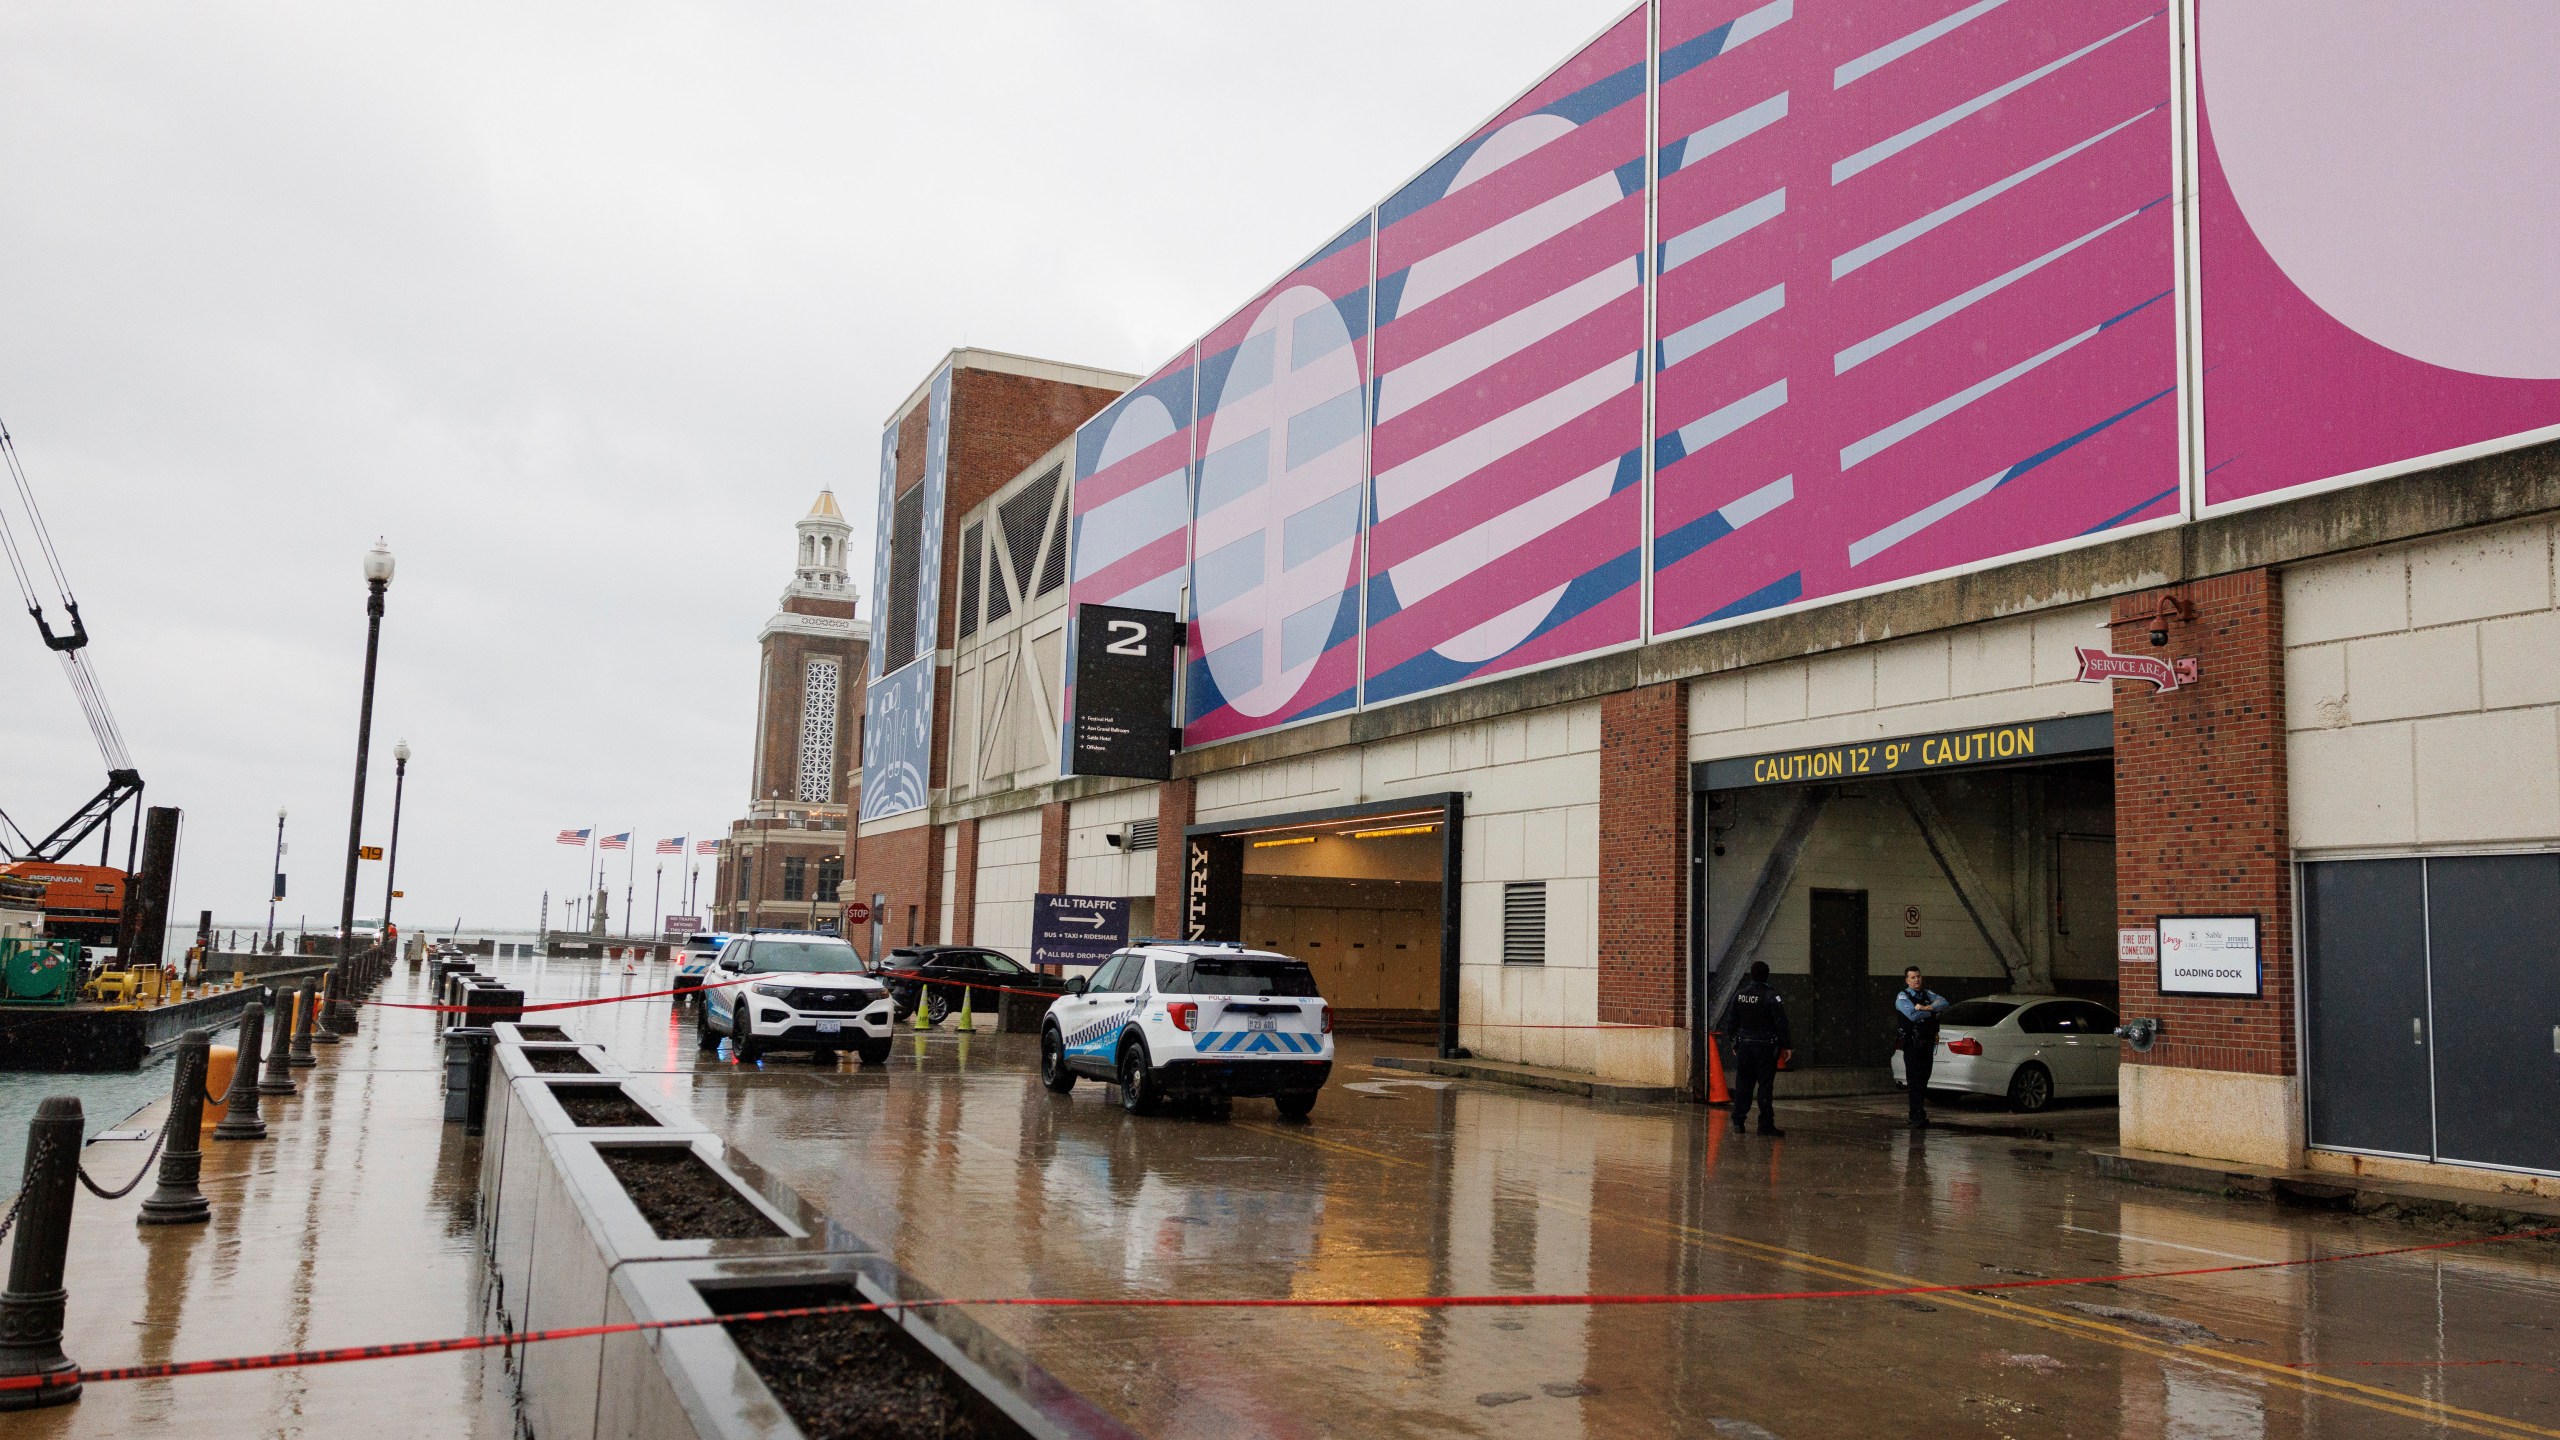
982,1184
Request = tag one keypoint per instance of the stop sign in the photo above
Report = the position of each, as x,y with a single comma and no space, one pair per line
857,912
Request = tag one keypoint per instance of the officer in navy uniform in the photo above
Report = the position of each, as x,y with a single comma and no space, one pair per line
1917,1033
1757,1027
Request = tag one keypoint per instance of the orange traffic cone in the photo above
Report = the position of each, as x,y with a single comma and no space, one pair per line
1717,1094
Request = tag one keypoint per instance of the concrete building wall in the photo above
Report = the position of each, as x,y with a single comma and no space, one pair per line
1008,875
1532,786
2422,694
952,886
2000,670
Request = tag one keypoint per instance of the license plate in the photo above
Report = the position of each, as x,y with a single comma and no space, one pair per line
829,1027
1260,1022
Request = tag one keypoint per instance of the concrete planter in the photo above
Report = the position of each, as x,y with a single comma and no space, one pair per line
586,1226
513,1165
506,1211
695,1382
533,1032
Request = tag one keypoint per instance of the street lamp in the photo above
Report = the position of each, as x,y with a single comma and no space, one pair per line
391,865
377,579
275,886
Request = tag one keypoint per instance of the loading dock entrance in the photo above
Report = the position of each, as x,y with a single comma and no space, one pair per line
1984,856
1367,895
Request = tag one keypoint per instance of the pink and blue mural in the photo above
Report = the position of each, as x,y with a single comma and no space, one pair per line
1275,594
1916,303
1507,521
2377,240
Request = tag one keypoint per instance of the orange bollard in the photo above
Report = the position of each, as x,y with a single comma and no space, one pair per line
1717,1094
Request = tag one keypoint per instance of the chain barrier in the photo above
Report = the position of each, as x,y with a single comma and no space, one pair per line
129,1186
10,1219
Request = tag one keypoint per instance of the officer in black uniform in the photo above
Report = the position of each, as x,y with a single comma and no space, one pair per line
1916,1031
1756,1026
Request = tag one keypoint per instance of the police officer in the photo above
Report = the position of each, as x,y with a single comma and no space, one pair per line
1757,1027
1919,1008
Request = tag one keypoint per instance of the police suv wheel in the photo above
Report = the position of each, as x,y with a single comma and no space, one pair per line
705,1039
1298,1106
1137,1081
875,1052
1054,1073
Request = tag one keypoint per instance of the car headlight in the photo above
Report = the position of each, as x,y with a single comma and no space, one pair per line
777,992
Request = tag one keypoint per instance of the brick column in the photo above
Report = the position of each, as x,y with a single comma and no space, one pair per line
1053,847
1644,848
1174,809
2201,829
964,886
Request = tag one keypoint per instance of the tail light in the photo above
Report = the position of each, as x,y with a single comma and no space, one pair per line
1964,1045
1184,1013
1328,1019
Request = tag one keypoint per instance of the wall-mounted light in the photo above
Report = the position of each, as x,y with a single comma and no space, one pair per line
1396,830
1289,840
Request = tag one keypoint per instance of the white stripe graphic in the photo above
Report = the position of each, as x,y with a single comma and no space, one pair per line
1470,355
1900,236
1862,551
1759,502
1690,244
1427,474
1709,428
1904,429
1445,270
1725,322
1884,340
1888,148
1758,23
1886,54
1732,128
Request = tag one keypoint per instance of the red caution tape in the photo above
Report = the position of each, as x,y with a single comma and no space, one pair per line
555,1004
295,1358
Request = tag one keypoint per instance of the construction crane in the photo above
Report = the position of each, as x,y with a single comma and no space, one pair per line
81,901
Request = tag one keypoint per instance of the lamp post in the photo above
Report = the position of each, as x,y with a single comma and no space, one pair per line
377,579
391,862
275,891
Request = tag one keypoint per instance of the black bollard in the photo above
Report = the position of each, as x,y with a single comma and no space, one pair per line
279,1077
304,1003
178,1201
31,1309
321,1031
240,1118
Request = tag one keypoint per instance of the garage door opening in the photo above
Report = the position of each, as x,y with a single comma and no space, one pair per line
1364,895
1986,858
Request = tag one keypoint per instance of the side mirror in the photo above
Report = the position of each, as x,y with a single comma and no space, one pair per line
1076,986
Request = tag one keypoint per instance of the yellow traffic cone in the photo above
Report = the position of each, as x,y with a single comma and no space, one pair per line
922,1023
965,1027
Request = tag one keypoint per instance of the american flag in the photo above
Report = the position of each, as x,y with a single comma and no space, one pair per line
671,847
575,837
616,842
706,847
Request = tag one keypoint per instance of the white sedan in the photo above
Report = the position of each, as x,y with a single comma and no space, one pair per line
2031,1048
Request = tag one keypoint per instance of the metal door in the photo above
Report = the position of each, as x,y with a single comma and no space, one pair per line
2493,932
1835,1027
2366,1035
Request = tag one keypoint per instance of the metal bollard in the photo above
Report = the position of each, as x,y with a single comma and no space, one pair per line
178,1201
304,1002
31,1308
279,1077
240,1118
321,1031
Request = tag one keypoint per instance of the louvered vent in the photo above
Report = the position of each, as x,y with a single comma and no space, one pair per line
969,548
1524,923
1142,835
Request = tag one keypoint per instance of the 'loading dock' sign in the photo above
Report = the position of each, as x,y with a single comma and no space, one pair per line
1911,754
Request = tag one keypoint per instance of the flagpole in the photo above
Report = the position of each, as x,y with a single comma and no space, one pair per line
630,858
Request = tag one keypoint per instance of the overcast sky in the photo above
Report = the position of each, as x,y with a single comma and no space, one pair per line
580,305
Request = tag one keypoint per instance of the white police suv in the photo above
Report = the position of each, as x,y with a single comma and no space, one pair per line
1179,1018
794,992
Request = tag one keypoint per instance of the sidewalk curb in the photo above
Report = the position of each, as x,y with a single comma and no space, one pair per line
1528,1077
2313,1189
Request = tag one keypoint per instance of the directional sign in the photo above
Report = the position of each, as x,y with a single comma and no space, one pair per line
684,924
1123,721
1077,929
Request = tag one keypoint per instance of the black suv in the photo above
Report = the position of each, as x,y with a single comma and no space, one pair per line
913,970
